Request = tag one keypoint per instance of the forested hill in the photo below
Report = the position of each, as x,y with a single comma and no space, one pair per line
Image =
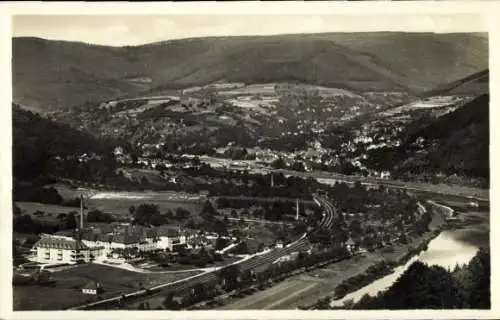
54,75
37,140
455,143
477,83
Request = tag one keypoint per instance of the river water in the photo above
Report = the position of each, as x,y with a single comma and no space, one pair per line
449,248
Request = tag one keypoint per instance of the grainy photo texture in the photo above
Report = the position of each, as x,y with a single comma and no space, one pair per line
247,171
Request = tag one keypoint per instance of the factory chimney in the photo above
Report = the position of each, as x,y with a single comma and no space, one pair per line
81,212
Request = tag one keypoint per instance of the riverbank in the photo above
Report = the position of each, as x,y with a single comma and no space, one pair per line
385,267
303,290
455,245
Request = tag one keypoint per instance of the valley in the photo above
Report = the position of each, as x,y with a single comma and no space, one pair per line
250,172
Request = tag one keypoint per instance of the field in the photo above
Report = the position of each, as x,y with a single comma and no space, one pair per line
50,211
67,292
117,202
121,205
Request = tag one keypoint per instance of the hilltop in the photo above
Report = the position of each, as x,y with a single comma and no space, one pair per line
51,75
477,83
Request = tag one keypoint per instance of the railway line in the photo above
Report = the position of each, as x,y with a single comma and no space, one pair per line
251,263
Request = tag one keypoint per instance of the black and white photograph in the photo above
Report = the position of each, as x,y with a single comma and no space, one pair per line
246,162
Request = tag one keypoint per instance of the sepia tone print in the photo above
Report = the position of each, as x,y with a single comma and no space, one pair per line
247,171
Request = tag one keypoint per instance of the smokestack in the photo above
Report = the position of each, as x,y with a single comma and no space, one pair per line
272,180
81,211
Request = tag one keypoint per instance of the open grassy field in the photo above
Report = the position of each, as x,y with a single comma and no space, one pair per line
122,205
67,291
50,211
119,202
114,204
273,296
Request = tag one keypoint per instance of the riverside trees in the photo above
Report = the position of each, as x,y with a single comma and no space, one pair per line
433,287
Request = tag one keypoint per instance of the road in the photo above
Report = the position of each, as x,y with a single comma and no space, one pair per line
252,263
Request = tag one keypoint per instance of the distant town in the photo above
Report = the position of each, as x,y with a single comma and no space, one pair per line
319,173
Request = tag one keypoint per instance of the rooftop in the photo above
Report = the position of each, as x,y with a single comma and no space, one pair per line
60,243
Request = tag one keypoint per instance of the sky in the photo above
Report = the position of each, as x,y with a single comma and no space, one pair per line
120,30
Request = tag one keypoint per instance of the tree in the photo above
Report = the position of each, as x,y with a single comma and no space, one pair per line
71,221
131,210
242,248
182,213
169,302
229,276
480,288
220,228
220,243
99,216
61,216
298,166
279,163
145,213
17,210
208,211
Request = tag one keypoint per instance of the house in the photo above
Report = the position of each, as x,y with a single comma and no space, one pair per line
350,245
92,287
279,244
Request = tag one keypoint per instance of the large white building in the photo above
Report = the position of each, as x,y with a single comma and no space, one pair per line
52,249
100,241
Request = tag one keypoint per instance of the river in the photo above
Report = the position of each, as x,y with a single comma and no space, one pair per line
449,248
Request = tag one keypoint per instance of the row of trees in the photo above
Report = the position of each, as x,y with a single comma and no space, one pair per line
270,210
375,271
148,214
433,287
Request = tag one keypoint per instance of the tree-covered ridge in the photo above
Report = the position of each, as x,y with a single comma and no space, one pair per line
49,75
433,287
456,143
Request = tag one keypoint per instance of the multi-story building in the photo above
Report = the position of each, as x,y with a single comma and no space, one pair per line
101,241
59,249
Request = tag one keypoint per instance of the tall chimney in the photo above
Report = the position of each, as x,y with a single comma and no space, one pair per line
272,180
81,212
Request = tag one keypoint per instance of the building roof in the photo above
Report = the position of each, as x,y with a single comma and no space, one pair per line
105,237
101,227
60,243
125,238
166,231
350,241
64,233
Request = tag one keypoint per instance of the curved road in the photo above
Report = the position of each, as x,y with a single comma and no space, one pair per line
256,261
